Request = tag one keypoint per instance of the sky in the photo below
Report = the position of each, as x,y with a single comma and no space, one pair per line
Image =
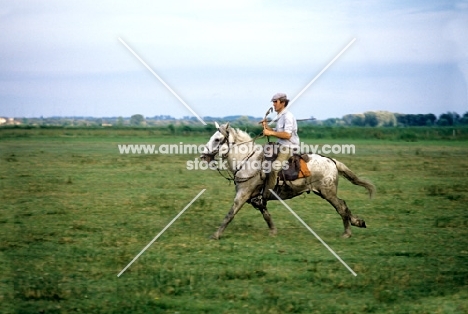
64,58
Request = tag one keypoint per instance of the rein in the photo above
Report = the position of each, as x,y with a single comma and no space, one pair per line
232,177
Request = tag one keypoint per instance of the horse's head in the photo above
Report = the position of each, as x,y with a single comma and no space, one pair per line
216,142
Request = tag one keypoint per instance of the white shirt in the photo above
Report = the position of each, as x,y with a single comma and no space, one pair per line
287,123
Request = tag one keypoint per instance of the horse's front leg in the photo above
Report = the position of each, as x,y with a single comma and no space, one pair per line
239,201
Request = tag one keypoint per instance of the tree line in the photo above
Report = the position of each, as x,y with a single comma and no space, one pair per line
366,119
389,119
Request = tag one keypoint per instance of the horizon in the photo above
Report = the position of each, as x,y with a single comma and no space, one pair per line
168,117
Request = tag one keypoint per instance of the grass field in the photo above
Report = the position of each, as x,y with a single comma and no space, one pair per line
75,212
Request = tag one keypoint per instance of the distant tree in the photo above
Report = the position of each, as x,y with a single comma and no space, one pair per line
464,119
120,121
171,128
137,120
186,129
385,118
401,119
371,119
450,118
210,127
443,122
419,120
415,119
330,122
355,119
430,119
243,120
359,120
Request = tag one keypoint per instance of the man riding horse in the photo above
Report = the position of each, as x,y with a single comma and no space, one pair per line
288,143
234,145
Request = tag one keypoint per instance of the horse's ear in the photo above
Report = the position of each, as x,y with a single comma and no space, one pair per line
216,125
223,129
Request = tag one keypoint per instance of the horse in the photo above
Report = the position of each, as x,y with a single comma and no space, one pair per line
245,163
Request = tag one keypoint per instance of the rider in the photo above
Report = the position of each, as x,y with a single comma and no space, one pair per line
288,140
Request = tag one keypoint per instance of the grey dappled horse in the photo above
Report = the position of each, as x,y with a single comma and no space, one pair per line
243,157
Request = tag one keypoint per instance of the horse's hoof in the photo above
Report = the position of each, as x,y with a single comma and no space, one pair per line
214,237
363,225
273,233
346,235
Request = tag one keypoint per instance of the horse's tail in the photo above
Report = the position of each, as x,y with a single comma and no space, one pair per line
354,179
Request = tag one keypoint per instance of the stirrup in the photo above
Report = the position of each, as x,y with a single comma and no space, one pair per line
257,200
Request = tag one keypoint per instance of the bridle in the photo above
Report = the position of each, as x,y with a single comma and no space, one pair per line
212,154
232,177
225,133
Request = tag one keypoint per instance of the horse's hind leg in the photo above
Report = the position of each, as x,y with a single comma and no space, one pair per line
355,221
345,213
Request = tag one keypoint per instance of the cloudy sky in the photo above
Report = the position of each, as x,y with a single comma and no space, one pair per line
64,58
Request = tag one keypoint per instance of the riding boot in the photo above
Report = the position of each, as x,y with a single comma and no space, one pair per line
270,183
275,167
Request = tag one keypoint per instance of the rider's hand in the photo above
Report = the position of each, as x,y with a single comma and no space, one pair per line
267,132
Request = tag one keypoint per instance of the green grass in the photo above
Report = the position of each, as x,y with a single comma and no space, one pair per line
75,212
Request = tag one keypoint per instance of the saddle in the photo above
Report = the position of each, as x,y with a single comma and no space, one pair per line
297,168
297,163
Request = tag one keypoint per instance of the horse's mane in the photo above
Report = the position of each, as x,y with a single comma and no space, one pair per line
240,135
